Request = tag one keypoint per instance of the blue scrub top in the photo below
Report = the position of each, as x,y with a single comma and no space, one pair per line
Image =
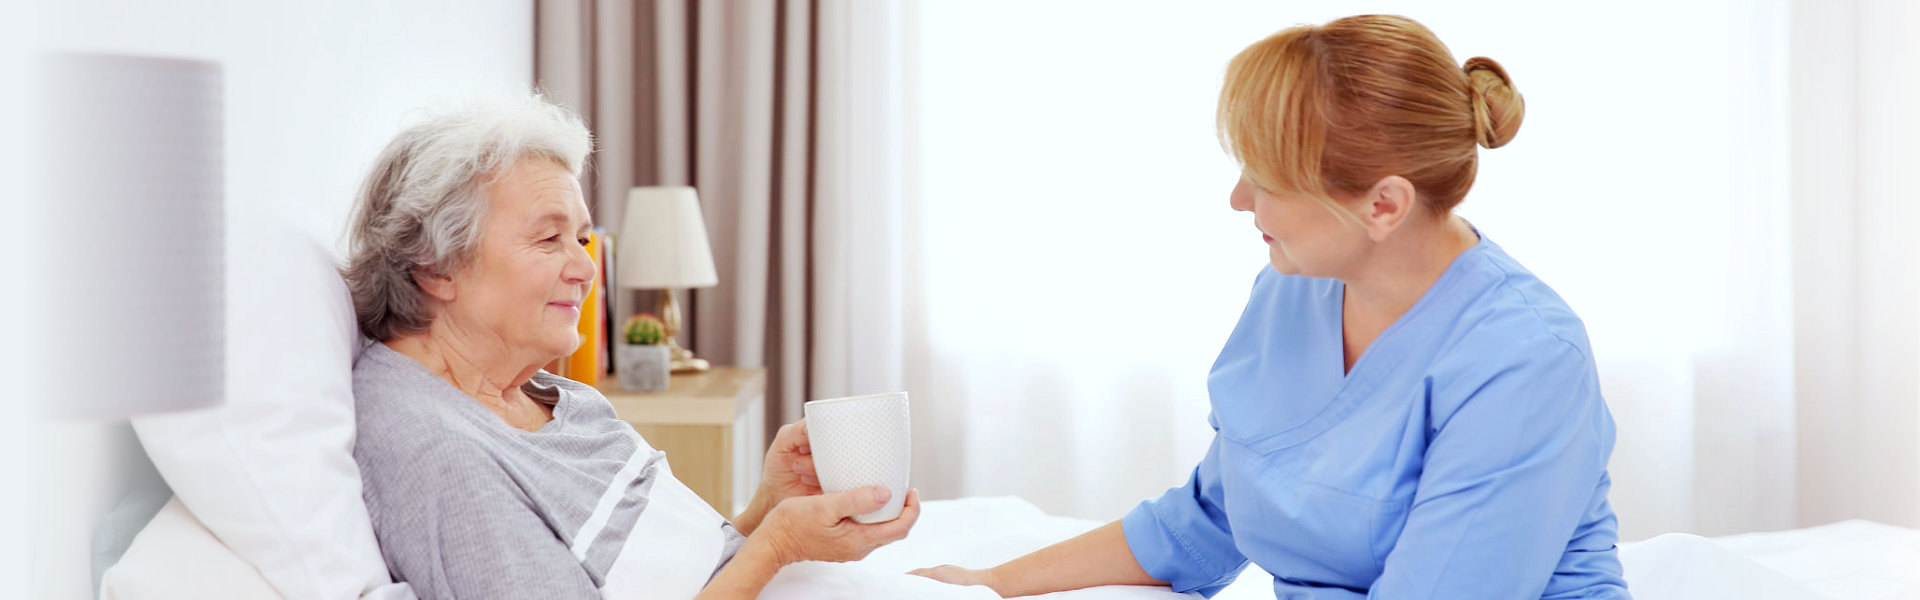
1464,456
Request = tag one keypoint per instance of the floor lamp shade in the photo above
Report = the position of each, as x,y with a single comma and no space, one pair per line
132,156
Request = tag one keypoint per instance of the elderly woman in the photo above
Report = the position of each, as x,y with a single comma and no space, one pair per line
489,478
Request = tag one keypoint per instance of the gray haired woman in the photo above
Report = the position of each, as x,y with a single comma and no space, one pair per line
487,477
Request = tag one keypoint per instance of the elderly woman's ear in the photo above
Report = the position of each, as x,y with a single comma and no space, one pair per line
440,287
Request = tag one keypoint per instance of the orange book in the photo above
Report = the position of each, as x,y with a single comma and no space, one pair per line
584,365
608,331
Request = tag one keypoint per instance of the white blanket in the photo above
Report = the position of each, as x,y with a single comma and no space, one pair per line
974,533
176,557
1852,560
1856,560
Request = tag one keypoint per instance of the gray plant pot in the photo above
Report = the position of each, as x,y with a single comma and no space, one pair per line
642,368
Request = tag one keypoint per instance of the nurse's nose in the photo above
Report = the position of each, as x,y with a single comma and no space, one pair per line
1242,197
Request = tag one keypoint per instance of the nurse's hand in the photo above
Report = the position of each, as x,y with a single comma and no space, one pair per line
1097,557
958,575
821,527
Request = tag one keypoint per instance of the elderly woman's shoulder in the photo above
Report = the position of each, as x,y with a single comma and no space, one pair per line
547,385
398,404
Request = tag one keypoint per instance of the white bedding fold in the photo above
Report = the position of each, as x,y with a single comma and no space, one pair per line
975,532
1854,559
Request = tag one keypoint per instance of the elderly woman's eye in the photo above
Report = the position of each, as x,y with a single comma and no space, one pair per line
583,241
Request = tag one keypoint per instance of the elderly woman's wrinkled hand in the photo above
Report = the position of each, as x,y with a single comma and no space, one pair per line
788,473
789,466
821,527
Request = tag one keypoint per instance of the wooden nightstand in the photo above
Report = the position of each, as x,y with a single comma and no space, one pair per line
712,425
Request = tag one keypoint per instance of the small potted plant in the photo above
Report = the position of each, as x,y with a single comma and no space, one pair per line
642,357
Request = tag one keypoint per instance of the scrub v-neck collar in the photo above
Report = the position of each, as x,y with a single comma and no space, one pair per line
1383,344
1350,388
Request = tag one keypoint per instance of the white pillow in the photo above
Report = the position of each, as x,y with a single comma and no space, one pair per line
175,557
271,471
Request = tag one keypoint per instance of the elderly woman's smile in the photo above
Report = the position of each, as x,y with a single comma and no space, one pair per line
532,269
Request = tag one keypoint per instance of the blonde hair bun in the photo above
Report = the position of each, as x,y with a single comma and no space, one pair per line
1328,110
1497,107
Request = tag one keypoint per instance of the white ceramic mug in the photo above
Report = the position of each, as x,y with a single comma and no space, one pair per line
863,441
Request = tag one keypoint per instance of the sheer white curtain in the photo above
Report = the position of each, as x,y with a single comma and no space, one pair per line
1076,267
1856,259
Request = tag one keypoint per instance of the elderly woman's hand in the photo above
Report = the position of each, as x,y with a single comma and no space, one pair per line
802,528
789,466
788,473
820,527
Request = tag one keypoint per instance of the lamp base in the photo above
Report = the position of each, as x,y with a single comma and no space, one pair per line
697,365
683,360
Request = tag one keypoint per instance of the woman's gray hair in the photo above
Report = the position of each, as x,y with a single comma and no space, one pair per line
421,209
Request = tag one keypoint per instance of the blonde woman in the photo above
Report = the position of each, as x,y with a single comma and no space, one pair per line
1403,411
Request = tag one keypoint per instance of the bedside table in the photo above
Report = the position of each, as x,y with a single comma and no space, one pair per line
711,424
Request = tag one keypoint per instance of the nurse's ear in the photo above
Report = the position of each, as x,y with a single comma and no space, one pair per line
1387,205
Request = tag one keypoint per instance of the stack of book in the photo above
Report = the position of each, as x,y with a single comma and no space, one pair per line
591,360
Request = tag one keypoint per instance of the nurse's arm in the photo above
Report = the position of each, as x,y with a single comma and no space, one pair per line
1098,557
1181,539
1516,463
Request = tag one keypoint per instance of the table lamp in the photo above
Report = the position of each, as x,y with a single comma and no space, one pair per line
663,246
134,170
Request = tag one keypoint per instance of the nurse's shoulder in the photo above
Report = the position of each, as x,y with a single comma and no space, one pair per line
1513,334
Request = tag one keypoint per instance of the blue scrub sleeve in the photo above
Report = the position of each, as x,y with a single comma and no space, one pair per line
1508,476
1183,537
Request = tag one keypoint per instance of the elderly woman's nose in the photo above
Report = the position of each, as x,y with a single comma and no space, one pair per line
580,268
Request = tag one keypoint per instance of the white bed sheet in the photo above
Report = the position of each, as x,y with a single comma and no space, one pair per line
1848,560
1855,560
972,532
177,557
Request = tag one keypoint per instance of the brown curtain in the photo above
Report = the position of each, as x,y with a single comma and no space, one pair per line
719,95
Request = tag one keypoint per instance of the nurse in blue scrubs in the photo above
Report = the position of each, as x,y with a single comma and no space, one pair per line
1403,410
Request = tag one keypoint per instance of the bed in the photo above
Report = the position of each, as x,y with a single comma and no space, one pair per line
265,489
1850,560
176,557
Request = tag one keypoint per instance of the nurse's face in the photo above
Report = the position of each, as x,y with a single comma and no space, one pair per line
1303,236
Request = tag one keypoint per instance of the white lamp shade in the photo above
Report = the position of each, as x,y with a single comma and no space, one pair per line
663,243
134,165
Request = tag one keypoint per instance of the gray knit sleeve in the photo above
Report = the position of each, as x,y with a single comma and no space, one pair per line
453,524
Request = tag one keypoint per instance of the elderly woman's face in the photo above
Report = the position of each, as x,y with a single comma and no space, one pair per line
532,269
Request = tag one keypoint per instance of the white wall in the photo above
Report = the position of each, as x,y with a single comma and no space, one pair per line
313,90
15,545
